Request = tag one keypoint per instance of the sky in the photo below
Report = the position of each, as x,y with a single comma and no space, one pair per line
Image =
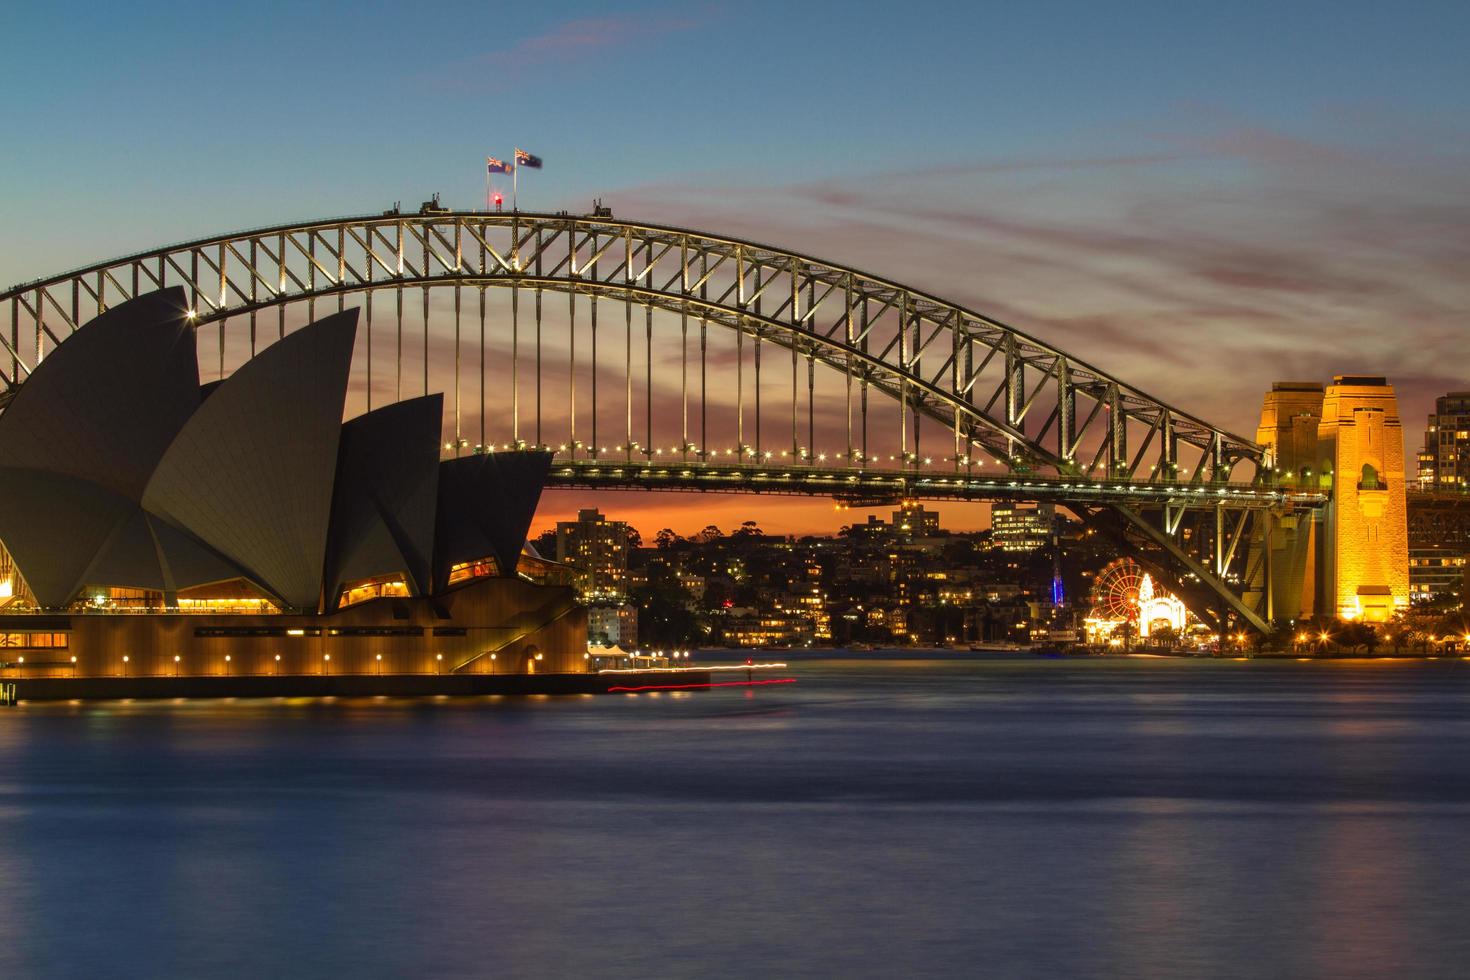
1202,198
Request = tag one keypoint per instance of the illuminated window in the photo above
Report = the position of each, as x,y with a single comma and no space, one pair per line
373,588
478,568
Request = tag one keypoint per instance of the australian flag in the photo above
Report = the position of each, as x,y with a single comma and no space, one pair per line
524,159
494,166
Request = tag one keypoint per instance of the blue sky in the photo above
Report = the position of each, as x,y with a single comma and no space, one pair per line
1203,197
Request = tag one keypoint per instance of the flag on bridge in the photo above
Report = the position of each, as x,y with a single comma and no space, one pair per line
494,166
524,159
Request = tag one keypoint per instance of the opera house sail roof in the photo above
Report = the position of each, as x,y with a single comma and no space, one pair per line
119,471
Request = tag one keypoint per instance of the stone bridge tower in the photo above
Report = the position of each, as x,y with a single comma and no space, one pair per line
1290,420
1352,560
1365,572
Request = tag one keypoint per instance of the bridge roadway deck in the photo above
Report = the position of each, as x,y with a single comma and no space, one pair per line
883,486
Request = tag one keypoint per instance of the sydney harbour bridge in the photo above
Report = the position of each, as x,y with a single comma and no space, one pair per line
663,358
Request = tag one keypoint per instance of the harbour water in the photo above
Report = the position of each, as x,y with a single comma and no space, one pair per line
971,816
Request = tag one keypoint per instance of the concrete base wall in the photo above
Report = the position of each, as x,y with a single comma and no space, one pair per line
342,686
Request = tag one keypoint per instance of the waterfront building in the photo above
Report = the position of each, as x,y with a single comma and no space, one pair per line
154,525
1436,573
1444,462
1021,526
596,549
612,625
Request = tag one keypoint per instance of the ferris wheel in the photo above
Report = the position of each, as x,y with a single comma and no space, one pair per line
1115,591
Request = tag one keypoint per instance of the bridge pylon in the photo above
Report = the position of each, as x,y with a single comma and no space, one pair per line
1350,559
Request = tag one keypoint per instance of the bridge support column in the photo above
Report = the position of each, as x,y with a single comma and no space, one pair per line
1351,561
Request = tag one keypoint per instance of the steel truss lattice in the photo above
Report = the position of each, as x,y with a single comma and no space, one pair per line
997,393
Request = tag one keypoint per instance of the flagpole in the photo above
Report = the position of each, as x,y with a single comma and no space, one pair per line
487,185
515,180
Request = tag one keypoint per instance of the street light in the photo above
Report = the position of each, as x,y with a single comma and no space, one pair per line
278,665
227,665
326,663
438,663
125,665
176,665
379,659
492,663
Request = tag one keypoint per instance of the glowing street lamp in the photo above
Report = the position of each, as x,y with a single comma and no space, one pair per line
326,663
492,663
438,663
176,665
278,665
379,659
125,665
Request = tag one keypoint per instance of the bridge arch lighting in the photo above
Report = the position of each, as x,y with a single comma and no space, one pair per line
989,389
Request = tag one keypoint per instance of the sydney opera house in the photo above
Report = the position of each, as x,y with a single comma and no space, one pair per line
154,526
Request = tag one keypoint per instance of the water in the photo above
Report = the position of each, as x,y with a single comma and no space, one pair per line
1004,818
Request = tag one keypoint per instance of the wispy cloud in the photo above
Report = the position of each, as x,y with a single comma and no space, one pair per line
570,40
1233,256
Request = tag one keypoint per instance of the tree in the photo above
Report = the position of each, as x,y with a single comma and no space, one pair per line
1164,636
747,529
1357,635
635,540
666,539
709,534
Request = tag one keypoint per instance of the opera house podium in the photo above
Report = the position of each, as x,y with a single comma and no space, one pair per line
154,528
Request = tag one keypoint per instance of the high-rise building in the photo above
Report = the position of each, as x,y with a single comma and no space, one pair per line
597,551
915,520
1444,462
1021,525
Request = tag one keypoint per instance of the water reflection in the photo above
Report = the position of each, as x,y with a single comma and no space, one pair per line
1016,818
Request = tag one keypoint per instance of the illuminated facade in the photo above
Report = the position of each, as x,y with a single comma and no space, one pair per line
916,521
1352,561
615,625
1444,462
597,551
1157,609
1020,526
1365,566
1291,418
156,523
1437,573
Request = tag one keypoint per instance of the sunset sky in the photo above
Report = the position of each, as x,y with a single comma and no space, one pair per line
1201,198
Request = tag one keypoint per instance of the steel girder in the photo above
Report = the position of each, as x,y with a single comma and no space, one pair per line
1001,392
1048,417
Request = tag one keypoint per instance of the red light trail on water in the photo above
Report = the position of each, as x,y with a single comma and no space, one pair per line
687,687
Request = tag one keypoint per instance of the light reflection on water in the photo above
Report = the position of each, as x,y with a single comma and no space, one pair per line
880,818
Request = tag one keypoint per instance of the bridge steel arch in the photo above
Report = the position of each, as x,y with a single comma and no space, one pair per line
1000,395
